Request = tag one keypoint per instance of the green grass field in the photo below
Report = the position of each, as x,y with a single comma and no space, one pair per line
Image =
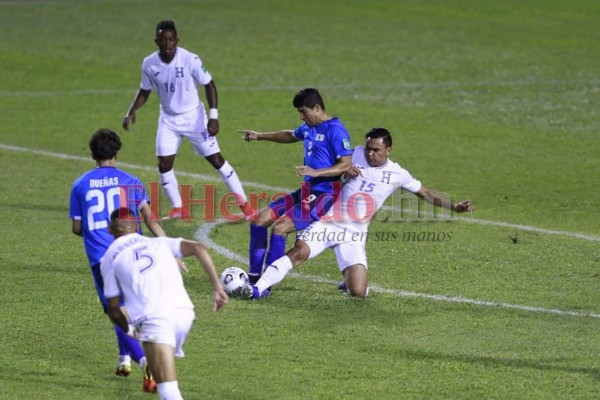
493,101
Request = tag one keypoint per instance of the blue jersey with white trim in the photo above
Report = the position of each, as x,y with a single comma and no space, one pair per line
324,144
94,196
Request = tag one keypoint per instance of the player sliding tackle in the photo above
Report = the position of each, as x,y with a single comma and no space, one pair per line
368,183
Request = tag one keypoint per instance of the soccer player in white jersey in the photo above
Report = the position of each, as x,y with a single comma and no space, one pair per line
158,310
175,74
368,183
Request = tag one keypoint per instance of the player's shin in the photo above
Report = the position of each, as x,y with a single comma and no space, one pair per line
231,179
168,180
256,251
274,273
276,248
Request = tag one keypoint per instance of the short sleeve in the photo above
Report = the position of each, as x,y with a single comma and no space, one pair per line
199,71
298,133
408,182
75,205
340,142
146,83
174,245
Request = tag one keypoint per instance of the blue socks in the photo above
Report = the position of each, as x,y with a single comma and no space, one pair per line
128,345
257,250
276,248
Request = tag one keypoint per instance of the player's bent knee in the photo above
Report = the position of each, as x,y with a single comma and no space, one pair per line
357,280
362,291
299,253
283,226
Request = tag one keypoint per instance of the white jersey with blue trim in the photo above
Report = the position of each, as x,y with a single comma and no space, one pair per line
363,196
145,272
176,82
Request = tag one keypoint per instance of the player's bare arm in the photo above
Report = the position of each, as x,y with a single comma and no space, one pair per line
76,227
341,166
197,249
116,315
213,102
352,173
152,221
140,100
432,197
284,136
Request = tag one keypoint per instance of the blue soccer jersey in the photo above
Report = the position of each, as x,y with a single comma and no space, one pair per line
324,144
94,196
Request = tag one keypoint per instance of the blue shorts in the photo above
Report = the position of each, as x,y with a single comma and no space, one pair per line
99,284
305,205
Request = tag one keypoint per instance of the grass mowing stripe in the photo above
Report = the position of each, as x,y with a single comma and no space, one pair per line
214,178
266,88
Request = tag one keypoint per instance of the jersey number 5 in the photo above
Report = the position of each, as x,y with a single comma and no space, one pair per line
143,259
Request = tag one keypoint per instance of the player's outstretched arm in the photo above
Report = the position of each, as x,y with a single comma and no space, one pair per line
284,136
337,169
437,199
198,250
152,221
140,99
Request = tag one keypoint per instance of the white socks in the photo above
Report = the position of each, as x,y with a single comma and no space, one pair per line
168,180
232,181
169,183
169,391
274,273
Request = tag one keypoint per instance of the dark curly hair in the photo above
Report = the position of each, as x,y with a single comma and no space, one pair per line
105,144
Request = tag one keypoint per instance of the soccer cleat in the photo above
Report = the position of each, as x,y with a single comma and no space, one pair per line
249,212
178,213
123,366
342,286
250,292
149,385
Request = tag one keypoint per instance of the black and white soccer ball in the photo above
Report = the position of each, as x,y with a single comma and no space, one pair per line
233,279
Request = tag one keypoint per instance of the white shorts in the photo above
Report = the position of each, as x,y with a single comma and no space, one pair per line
191,125
171,330
348,245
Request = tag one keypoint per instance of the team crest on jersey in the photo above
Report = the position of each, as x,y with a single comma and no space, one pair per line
320,137
346,144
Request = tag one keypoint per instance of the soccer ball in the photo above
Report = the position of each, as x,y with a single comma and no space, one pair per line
233,279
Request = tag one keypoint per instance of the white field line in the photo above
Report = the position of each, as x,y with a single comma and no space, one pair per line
203,235
215,178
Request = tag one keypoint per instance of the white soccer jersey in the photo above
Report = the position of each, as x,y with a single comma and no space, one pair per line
362,196
176,83
144,272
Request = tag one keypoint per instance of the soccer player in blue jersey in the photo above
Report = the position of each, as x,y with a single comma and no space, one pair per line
94,196
327,154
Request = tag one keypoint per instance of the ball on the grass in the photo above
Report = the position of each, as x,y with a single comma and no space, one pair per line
233,279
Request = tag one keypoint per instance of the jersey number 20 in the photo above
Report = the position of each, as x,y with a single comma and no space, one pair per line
104,202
